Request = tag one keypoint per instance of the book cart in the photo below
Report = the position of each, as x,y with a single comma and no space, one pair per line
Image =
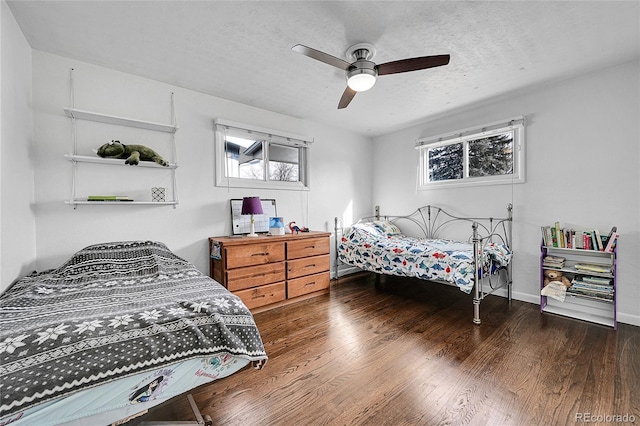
583,266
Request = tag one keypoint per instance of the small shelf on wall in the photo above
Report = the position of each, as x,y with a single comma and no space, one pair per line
120,121
169,130
124,203
116,161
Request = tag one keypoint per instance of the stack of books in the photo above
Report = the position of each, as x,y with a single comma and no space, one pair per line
556,262
598,287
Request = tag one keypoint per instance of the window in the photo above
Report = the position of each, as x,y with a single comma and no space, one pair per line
493,154
252,157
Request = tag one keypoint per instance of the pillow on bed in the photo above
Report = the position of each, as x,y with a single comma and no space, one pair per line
387,227
368,227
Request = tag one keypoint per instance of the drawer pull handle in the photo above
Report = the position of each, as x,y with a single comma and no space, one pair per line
311,265
260,296
310,247
260,254
258,275
310,283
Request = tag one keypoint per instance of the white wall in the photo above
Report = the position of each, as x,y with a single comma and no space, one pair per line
575,129
583,162
338,182
17,229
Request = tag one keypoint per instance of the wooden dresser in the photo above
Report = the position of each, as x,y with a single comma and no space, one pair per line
270,271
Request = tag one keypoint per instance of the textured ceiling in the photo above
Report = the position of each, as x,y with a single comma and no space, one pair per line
241,50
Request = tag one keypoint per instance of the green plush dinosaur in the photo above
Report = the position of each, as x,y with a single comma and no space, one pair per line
133,153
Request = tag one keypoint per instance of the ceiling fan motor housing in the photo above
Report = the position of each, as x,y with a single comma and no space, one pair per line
362,75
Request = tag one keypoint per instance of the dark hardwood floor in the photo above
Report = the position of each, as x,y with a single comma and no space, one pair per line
408,354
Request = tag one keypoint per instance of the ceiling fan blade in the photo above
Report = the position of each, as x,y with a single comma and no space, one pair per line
347,96
321,56
412,64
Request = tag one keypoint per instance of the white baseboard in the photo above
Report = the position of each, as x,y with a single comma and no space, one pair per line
535,299
629,319
344,270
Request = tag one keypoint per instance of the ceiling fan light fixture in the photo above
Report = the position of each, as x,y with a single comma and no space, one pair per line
362,73
361,79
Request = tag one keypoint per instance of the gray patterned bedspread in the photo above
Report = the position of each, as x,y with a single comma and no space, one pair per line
113,310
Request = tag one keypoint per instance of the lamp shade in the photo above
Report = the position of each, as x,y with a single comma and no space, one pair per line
251,205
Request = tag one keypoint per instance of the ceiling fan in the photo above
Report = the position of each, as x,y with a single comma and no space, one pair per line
362,73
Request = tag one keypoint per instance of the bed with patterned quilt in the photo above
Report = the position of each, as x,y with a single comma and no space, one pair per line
377,244
118,328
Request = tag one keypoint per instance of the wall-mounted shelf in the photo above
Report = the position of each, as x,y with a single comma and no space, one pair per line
120,121
78,199
116,162
122,203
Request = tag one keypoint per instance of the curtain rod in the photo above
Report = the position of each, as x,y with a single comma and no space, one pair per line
250,128
476,130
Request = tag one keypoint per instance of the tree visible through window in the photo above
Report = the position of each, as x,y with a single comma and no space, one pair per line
491,156
445,162
486,156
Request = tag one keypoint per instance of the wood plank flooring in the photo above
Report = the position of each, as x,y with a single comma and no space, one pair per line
408,354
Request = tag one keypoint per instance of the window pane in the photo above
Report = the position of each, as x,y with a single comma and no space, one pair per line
244,158
445,162
491,156
284,162
251,157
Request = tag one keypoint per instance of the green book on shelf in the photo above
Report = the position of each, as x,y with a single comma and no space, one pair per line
109,198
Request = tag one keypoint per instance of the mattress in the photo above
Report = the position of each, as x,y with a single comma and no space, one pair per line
129,396
116,314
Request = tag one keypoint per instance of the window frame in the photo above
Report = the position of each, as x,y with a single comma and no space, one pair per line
515,125
268,137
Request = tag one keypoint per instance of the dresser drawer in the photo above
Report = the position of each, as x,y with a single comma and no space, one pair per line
307,266
254,254
253,276
309,284
264,295
307,247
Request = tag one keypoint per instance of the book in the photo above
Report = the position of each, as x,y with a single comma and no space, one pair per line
553,261
591,267
554,237
546,240
598,240
109,198
597,280
594,241
585,284
572,235
611,243
606,239
560,235
549,235
567,238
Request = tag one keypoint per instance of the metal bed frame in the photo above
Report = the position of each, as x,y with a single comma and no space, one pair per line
431,222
